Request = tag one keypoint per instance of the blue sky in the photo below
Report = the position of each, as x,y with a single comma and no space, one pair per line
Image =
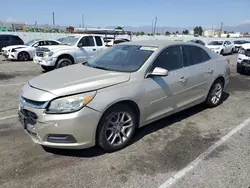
179,13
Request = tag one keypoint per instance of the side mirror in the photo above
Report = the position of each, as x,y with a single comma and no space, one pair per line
79,45
158,72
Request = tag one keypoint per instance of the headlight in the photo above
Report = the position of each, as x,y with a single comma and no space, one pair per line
69,104
217,48
242,51
48,53
13,50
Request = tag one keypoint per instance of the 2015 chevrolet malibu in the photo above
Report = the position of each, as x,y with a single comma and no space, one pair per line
103,101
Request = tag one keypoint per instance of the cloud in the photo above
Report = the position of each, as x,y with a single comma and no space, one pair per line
246,22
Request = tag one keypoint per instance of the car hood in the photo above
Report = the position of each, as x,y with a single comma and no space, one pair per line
57,47
213,46
15,46
77,79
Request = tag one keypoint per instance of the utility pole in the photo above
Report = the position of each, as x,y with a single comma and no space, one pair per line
152,27
53,16
221,27
155,24
82,21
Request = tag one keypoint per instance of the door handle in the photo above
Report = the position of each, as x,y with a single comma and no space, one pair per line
183,79
210,71
94,49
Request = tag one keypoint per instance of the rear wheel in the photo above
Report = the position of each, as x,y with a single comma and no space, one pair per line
47,68
63,63
116,128
23,56
215,94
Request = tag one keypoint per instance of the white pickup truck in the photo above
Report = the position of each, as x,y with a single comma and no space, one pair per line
73,49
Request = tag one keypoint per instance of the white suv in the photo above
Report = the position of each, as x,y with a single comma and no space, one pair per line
73,49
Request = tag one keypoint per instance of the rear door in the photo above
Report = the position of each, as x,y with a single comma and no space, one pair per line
4,41
197,63
99,44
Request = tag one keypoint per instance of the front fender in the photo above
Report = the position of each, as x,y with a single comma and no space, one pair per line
64,52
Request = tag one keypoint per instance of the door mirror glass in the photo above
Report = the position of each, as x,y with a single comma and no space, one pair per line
159,72
80,45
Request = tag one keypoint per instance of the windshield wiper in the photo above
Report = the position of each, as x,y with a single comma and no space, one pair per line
103,68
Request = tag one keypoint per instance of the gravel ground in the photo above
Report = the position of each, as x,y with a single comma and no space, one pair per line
158,151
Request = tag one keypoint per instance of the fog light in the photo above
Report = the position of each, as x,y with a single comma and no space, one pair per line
61,138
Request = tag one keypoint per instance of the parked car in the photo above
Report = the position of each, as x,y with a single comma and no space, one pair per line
243,59
103,101
27,51
7,40
197,41
238,44
73,49
221,47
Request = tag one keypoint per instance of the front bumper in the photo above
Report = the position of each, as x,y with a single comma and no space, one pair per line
244,66
45,61
10,55
68,131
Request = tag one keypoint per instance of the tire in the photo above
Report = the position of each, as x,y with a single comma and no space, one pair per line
107,133
63,63
232,51
215,94
221,52
23,56
239,70
47,68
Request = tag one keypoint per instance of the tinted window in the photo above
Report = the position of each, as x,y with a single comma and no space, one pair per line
4,38
49,42
169,59
87,41
98,41
194,55
201,42
16,40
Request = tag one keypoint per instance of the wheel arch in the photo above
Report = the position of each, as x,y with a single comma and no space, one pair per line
65,55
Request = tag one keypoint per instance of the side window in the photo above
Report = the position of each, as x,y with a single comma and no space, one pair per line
169,59
193,55
98,41
228,42
42,43
16,40
5,39
50,42
87,41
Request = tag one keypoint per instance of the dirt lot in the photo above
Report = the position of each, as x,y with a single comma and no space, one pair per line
162,153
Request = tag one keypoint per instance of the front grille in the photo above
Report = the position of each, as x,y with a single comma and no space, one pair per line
33,104
247,53
39,54
30,117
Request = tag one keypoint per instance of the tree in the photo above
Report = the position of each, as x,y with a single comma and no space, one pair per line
185,32
177,32
119,27
198,30
167,33
142,33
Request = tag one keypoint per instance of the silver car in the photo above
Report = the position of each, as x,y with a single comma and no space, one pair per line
103,101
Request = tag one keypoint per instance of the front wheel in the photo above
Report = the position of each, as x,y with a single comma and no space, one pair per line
23,56
214,97
63,63
47,68
221,52
116,128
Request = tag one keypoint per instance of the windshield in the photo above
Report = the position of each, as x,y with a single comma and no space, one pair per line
239,42
219,43
122,58
71,40
30,42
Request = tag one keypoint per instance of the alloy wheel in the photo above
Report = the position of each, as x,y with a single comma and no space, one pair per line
119,128
216,93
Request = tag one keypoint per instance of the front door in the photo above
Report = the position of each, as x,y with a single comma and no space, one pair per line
164,94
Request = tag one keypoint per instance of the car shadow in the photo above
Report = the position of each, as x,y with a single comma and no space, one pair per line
141,133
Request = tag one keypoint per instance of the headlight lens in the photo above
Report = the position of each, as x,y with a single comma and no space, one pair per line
69,104
48,53
217,48
242,51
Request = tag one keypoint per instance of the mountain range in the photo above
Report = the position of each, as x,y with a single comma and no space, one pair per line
162,29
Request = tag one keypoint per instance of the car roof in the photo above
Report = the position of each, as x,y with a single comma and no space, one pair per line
7,35
154,43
